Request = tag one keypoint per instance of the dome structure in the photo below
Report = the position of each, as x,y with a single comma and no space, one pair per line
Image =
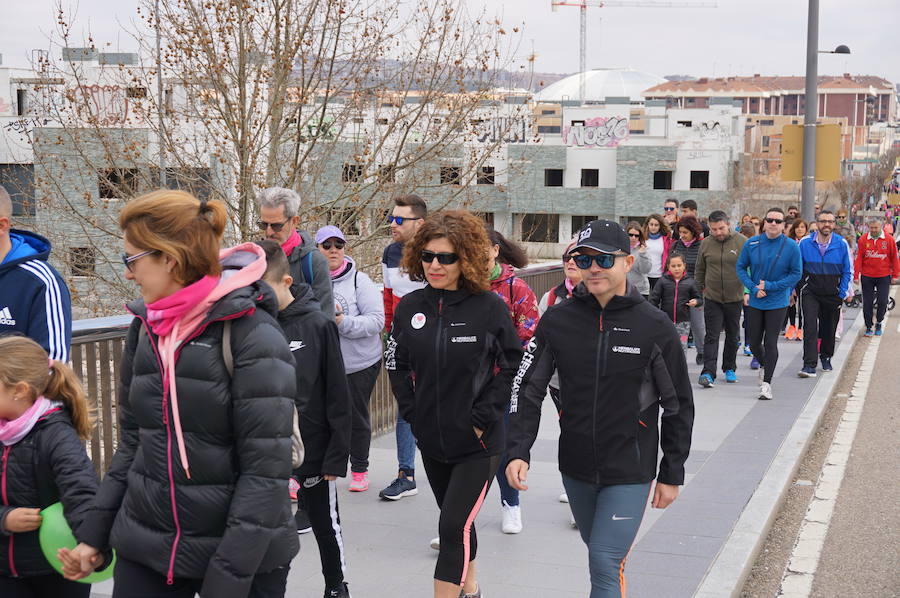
600,84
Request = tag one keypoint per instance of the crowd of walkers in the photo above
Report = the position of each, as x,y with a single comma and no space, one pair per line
247,372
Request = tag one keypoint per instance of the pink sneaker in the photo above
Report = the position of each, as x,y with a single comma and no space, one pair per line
360,481
293,486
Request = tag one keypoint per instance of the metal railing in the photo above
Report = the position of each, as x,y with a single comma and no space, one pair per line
97,347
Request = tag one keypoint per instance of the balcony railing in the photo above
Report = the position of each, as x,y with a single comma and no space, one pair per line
97,346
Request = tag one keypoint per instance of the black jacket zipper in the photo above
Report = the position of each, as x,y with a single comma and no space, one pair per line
437,360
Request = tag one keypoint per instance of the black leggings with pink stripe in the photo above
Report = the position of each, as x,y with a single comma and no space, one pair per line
459,489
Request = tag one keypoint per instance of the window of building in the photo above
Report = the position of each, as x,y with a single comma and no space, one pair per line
436,121
382,121
117,183
486,175
577,123
578,222
387,173
82,261
699,179
685,123
195,181
451,175
691,100
358,120
353,173
662,179
767,123
21,102
18,180
553,177
476,122
549,129
765,141
343,218
136,92
590,177
488,218
540,228
548,112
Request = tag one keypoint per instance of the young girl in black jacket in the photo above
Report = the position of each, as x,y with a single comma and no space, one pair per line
451,358
675,293
43,421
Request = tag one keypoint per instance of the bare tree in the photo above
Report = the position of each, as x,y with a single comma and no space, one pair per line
346,101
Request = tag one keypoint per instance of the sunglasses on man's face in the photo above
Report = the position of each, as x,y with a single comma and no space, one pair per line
401,219
327,245
775,220
826,221
275,226
566,257
670,209
445,259
604,260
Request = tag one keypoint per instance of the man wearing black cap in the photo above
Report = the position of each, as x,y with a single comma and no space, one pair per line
619,360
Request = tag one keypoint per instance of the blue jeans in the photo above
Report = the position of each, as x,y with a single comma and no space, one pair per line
608,519
406,448
508,494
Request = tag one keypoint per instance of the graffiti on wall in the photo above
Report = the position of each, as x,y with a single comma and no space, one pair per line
505,130
597,132
106,105
25,125
710,130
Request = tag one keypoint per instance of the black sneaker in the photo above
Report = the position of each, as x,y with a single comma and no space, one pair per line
699,359
826,364
339,592
400,487
301,518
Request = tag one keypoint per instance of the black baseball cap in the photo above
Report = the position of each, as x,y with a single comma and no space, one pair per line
605,236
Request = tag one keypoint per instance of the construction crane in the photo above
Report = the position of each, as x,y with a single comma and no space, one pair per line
583,6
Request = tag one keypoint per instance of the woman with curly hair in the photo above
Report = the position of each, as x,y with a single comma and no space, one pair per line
459,340
689,231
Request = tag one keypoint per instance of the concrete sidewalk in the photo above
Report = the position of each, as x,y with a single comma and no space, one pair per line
736,440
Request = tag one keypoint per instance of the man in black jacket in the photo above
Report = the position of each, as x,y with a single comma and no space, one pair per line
323,402
619,359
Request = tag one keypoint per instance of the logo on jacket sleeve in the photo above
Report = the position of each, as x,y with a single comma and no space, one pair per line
6,317
417,321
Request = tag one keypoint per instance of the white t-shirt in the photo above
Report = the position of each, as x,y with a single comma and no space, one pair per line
655,248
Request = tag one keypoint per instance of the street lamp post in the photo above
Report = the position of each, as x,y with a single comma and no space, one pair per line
811,112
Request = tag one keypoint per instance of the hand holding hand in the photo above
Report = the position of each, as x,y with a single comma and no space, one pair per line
517,474
760,294
79,562
23,520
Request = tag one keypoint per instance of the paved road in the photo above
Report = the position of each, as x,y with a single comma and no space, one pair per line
735,439
861,556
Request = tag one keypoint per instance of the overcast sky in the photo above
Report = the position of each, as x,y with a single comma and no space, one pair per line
739,37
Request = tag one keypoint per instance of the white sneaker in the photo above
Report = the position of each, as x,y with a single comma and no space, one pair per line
512,519
572,521
564,497
436,543
765,391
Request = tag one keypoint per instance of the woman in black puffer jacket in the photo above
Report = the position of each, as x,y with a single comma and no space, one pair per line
197,494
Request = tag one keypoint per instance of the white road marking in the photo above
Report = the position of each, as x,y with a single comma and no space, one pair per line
798,577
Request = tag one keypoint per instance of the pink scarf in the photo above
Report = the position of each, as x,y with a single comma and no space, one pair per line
189,318
570,286
341,268
292,243
163,314
14,430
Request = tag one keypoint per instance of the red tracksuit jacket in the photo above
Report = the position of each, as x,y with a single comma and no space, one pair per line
876,257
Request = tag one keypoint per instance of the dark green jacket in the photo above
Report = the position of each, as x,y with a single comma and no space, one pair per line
715,269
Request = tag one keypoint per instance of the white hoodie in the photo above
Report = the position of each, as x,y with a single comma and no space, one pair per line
363,309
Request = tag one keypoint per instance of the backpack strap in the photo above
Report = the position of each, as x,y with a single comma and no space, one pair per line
551,299
226,348
306,268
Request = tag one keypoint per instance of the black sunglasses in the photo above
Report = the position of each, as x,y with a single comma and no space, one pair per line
129,260
276,226
444,259
635,235
774,220
566,257
604,260
670,209
327,245
401,219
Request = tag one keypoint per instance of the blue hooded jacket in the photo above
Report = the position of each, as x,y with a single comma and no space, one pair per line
777,261
34,299
826,275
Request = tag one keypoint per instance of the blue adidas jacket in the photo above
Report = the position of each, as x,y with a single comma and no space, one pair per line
34,300
826,275
757,261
